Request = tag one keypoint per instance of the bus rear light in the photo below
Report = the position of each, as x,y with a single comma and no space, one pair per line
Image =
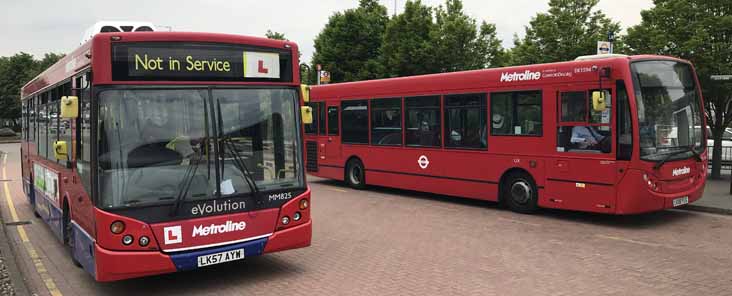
117,227
285,220
296,216
304,204
127,240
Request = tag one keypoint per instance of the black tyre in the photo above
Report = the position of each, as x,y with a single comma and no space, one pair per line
355,174
69,234
519,193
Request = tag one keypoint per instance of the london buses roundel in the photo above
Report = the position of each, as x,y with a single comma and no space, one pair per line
423,162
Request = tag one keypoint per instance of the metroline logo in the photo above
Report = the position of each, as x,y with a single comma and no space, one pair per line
229,226
516,76
681,171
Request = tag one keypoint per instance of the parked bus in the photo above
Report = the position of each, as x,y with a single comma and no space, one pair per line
586,135
156,152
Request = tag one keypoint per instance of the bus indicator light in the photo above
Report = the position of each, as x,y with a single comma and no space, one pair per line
117,227
304,204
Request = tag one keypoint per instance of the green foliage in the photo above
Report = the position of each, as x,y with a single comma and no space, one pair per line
275,35
458,43
364,43
699,31
16,71
408,47
349,44
570,29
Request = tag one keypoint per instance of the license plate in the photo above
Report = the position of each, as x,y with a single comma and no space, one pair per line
681,201
222,257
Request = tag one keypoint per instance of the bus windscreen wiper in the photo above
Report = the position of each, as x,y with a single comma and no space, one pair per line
186,182
240,164
668,156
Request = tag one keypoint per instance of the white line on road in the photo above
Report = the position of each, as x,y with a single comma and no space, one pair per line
637,242
32,253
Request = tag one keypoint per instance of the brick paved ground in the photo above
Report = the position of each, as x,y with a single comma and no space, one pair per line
390,242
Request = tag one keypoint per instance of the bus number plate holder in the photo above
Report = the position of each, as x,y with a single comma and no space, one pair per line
681,201
222,257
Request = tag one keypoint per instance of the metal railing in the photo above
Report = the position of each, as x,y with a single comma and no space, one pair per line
726,159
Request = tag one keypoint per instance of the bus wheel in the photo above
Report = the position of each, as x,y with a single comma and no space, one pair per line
520,194
69,234
355,174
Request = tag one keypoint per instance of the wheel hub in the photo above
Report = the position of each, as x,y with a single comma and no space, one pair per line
521,191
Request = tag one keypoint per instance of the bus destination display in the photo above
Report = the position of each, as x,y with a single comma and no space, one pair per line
197,62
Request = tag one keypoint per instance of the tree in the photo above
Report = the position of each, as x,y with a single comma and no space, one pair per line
699,31
275,35
16,71
348,47
570,29
408,47
458,43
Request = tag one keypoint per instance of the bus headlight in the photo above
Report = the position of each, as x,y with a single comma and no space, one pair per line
296,216
144,241
127,240
285,220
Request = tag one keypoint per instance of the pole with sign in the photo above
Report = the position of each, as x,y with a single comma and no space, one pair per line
324,77
606,47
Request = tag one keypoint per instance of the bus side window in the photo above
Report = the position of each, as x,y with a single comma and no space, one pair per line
465,121
516,114
386,122
423,126
312,128
624,123
83,133
321,118
42,119
64,124
332,121
581,128
355,121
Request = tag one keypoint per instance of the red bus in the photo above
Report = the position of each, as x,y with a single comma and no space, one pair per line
156,152
609,134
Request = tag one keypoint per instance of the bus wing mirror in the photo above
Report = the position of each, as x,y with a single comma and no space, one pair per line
307,114
305,89
69,107
61,150
598,101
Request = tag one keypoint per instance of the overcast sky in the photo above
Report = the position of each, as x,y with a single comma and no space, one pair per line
40,26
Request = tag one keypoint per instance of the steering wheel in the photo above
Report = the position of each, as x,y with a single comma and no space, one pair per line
604,145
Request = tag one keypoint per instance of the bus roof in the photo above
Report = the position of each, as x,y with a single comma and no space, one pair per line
522,76
98,49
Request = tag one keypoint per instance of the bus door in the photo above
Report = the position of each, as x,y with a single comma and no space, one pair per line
332,139
583,175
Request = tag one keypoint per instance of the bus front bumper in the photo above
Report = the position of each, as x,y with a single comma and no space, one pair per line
635,197
115,265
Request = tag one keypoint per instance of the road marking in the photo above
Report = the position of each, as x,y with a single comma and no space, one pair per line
338,190
32,253
637,242
519,222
